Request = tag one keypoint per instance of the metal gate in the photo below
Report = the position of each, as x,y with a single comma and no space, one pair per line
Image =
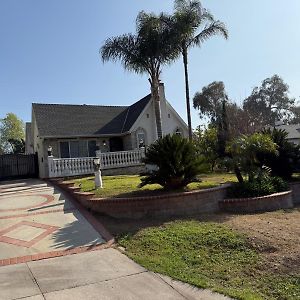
18,166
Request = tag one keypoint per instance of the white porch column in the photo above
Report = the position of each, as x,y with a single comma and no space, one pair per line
51,167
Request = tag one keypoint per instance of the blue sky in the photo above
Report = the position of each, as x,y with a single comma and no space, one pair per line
49,52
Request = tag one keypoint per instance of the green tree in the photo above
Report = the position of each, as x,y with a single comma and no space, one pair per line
206,142
147,51
245,152
193,25
270,102
284,163
177,161
212,102
18,146
11,128
209,102
239,121
296,115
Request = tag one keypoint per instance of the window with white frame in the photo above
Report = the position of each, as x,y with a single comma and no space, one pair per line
80,148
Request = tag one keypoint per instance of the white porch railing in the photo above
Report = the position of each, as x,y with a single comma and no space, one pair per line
63,167
111,160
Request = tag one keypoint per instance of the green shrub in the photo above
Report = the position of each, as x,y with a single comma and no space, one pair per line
284,163
177,161
258,187
279,184
244,152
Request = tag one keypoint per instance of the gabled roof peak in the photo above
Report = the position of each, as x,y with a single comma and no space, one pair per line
66,120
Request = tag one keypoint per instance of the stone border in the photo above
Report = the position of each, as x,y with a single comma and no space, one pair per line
39,256
173,204
272,202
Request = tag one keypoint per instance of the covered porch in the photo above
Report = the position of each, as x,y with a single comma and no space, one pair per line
68,167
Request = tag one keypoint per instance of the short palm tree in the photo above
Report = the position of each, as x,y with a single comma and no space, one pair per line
193,25
144,52
177,162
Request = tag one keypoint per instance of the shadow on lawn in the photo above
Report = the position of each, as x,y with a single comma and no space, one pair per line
159,192
119,227
139,192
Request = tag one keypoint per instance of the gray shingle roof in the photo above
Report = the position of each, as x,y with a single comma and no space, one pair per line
292,130
64,120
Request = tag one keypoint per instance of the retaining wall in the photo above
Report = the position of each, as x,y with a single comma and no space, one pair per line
272,202
181,204
295,188
177,204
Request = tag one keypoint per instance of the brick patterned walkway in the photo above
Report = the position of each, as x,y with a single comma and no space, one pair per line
38,221
40,229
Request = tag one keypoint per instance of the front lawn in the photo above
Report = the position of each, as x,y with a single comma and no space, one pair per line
127,186
211,255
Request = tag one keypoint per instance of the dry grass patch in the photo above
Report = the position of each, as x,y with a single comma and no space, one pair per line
243,256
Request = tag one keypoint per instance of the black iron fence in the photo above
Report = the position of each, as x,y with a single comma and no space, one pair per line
18,166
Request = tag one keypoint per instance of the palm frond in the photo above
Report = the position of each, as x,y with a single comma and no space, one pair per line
155,34
124,48
214,28
146,51
184,6
206,16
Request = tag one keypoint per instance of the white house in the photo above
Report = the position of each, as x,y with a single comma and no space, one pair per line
77,131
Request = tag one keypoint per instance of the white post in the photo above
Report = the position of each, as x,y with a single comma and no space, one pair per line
97,166
50,166
98,179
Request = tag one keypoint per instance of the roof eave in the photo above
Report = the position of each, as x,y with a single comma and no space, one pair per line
83,136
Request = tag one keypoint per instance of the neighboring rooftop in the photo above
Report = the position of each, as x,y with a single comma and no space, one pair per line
292,130
64,120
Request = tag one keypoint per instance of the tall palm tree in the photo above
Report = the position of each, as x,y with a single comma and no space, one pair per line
193,25
146,51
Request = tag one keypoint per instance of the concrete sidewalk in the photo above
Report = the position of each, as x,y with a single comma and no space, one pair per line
100,274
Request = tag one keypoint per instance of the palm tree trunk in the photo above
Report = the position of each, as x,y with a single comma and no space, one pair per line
238,174
157,110
187,92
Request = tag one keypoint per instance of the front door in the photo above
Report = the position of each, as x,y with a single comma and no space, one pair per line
116,144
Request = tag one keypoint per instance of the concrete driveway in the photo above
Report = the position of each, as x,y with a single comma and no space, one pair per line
38,222
36,219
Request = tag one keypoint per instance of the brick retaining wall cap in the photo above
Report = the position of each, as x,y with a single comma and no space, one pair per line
158,197
250,199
